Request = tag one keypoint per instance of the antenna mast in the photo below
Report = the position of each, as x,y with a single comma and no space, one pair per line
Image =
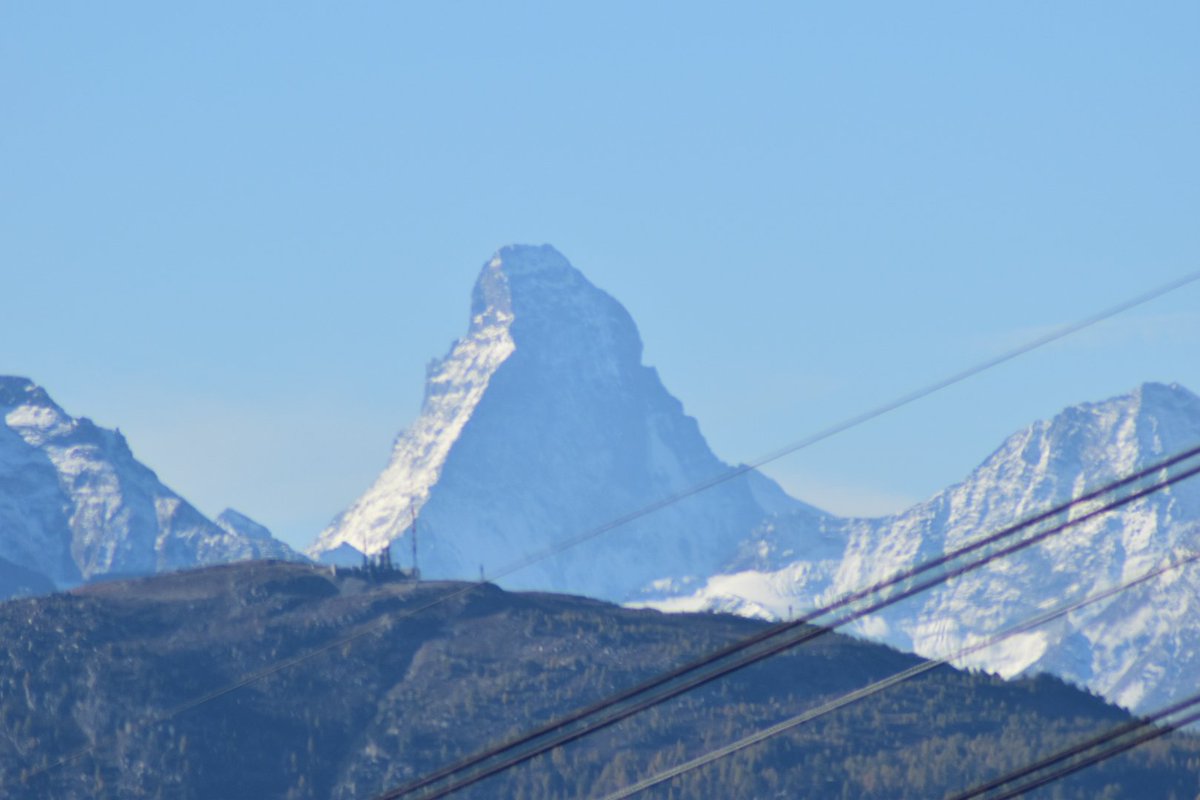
416,570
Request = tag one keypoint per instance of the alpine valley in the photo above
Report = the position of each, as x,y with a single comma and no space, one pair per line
541,431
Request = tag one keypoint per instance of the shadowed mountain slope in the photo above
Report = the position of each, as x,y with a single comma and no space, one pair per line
543,423
483,665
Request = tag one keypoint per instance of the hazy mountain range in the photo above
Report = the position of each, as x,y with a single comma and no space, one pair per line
542,424
541,427
75,505
1140,649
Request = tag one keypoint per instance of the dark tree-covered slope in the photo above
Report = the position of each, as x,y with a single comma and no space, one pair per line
76,668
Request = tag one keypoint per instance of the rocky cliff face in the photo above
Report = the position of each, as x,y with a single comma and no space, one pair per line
76,505
1140,649
543,423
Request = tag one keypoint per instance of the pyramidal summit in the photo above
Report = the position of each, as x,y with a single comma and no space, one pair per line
541,425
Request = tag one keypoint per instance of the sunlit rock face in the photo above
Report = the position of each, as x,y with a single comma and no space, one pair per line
542,425
539,426
76,505
1140,649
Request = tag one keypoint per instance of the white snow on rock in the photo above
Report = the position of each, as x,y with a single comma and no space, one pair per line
75,504
1141,649
238,524
540,425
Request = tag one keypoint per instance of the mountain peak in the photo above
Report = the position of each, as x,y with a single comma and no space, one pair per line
75,504
523,283
237,523
1140,651
541,422
1165,394
528,259
1151,395
17,391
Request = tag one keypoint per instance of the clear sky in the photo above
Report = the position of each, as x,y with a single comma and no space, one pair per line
238,231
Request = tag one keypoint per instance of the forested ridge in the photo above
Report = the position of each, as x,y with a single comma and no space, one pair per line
82,668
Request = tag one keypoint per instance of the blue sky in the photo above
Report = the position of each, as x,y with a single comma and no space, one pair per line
239,231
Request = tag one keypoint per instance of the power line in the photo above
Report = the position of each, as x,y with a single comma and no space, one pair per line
736,472
852,422
698,673
750,658
777,631
886,683
1149,725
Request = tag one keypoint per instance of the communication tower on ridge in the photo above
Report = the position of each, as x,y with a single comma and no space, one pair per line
382,567
416,570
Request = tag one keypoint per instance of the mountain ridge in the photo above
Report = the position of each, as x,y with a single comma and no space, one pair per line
76,505
548,390
1046,463
542,427
472,667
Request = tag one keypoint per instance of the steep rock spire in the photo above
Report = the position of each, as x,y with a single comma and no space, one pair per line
539,425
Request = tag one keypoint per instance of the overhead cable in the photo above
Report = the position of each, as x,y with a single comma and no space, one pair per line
776,631
1105,746
756,648
886,683
565,544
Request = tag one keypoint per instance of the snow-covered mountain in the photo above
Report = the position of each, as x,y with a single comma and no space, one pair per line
75,504
543,423
1140,649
